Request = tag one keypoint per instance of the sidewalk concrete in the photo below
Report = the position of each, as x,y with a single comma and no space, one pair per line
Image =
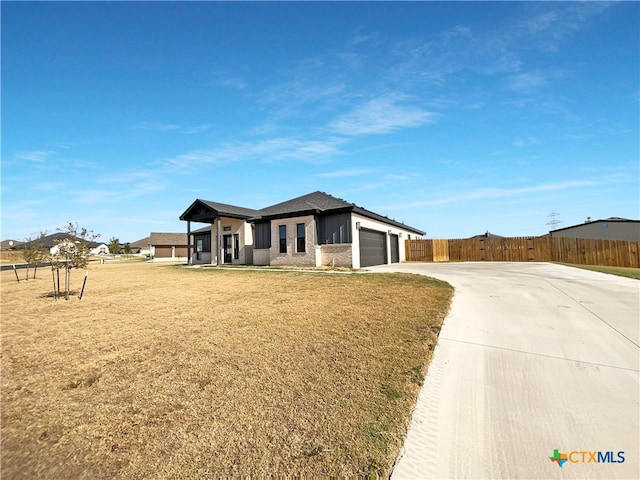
533,357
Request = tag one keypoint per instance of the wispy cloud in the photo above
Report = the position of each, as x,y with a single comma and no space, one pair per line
383,114
104,196
557,21
295,96
441,58
526,142
392,177
124,185
196,129
575,137
94,196
127,177
541,22
60,145
230,81
526,82
350,172
172,127
271,150
489,193
38,156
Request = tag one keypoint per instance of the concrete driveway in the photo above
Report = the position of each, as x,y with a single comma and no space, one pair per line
533,358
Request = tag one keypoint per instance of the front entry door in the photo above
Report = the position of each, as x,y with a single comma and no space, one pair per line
228,248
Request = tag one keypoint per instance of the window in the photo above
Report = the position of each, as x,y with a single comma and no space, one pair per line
283,238
300,238
203,243
263,235
236,246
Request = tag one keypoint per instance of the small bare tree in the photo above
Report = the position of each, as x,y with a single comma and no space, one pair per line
72,251
33,251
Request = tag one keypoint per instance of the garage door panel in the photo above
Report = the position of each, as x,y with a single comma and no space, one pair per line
163,252
373,248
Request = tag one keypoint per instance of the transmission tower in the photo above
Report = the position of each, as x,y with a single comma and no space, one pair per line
554,222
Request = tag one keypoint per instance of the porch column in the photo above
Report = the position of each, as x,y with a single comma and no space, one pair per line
218,242
188,242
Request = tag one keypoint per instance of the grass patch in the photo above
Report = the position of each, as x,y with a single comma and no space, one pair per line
628,272
171,372
11,256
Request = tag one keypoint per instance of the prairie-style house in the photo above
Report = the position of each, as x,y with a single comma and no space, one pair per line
316,229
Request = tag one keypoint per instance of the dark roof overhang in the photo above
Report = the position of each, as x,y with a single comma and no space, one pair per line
207,212
375,216
316,203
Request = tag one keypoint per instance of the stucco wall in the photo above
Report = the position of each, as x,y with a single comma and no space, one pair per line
379,226
246,240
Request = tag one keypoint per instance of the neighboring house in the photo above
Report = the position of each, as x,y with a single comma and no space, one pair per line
140,247
312,230
101,249
487,234
49,244
168,246
94,248
10,244
614,228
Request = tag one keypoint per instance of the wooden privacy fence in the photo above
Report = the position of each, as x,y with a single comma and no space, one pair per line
581,251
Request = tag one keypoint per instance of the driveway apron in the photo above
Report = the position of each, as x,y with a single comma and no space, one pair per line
532,358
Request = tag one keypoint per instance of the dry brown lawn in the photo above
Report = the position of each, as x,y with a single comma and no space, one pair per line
163,371
11,256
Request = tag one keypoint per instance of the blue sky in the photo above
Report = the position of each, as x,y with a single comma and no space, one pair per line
454,117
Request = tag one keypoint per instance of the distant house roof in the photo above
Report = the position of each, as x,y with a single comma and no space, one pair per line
160,238
487,234
206,229
9,244
51,240
142,243
604,220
